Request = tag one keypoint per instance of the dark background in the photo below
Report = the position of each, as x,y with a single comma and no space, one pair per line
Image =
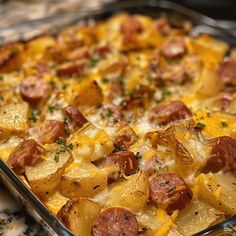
217,9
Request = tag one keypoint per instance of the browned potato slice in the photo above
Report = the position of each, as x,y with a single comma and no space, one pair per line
87,92
45,176
184,144
209,83
79,215
198,215
83,180
91,143
209,49
38,45
132,193
219,190
55,202
14,118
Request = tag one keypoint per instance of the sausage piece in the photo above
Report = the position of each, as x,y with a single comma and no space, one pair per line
115,221
72,69
125,138
130,25
33,90
26,154
111,113
173,48
126,162
162,114
173,74
227,73
49,131
130,28
223,154
170,189
75,115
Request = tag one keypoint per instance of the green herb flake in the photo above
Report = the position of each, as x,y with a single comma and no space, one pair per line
52,83
105,80
138,156
53,108
1,78
34,115
200,125
65,86
1,98
164,94
70,146
224,124
61,141
56,157
109,112
93,61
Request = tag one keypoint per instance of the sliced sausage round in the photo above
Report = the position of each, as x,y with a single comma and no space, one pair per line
75,115
126,161
33,89
173,48
170,190
223,154
227,73
26,154
115,221
162,114
49,131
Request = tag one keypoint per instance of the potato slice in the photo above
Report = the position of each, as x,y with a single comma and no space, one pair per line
55,202
83,180
79,215
37,46
219,190
87,92
198,215
91,143
209,83
209,49
45,176
14,118
132,193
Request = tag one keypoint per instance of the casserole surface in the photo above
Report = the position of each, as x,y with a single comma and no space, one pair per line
131,113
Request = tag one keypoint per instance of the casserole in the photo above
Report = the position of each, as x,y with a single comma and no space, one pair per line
86,98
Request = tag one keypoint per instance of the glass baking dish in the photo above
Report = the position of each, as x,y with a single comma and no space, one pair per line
175,13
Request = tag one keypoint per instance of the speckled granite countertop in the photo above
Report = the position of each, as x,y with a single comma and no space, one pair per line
14,221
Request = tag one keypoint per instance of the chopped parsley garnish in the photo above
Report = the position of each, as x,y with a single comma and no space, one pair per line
105,80
138,156
93,61
65,86
52,83
1,78
224,124
107,113
1,98
34,115
57,156
200,125
164,94
53,108
64,147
